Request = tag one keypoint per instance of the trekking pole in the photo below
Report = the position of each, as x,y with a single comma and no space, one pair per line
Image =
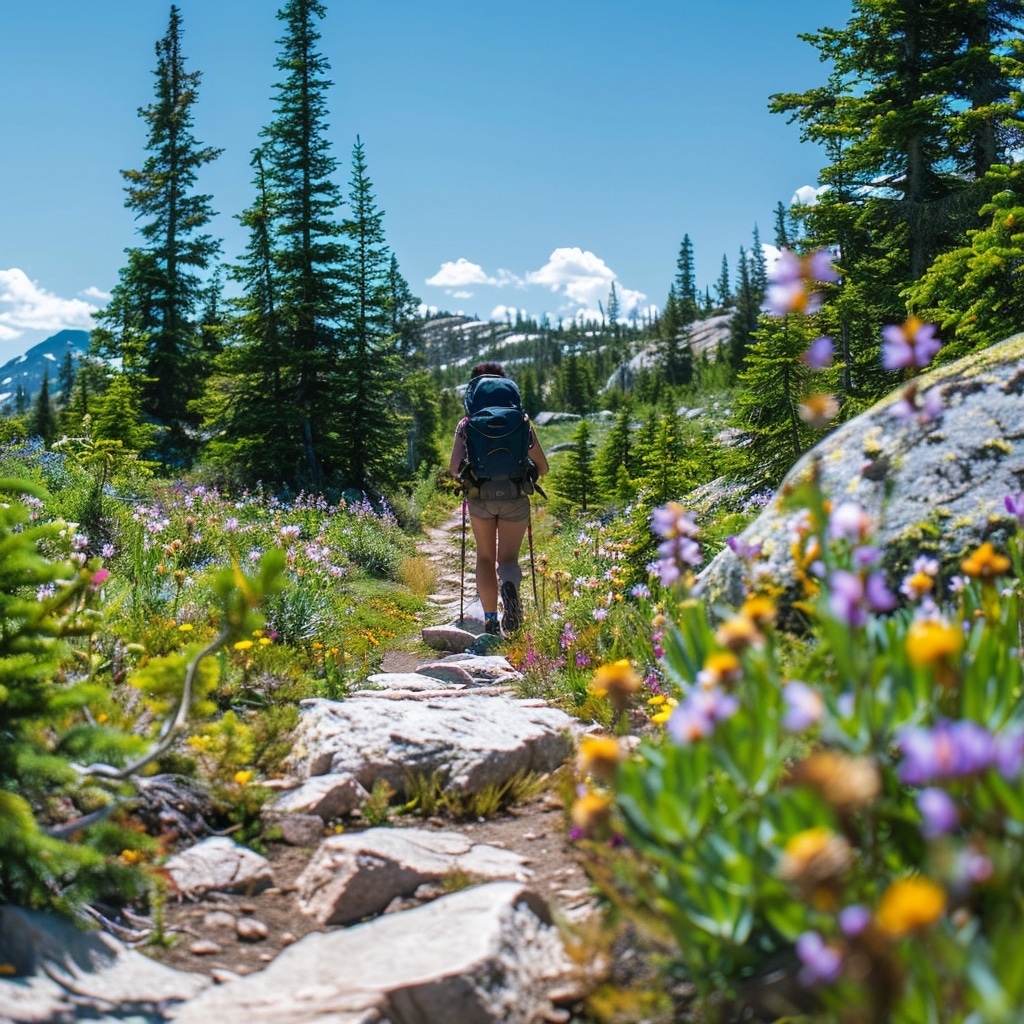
462,578
533,563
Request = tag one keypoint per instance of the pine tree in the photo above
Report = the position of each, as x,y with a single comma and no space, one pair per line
613,309
616,454
150,323
370,431
686,282
66,379
43,421
723,288
782,238
403,309
744,320
573,485
20,401
758,267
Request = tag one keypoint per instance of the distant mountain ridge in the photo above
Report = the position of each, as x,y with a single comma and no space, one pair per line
48,356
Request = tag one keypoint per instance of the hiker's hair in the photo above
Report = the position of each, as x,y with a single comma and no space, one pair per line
488,370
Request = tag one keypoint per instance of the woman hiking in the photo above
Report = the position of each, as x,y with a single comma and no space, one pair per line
497,457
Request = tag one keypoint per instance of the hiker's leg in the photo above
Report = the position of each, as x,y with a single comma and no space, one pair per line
485,532
510,540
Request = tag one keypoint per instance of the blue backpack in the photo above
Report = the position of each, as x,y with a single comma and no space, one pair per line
498,464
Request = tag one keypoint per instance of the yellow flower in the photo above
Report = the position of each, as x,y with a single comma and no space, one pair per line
132,857
814,861
665,713
186,627
720,667
846,782
985,564
617,681
591,813
932,640
738,634
599,756
242,777
265,641
818,410
243,645
257,633
760,610
909,904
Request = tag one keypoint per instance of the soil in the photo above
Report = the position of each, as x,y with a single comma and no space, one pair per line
535,829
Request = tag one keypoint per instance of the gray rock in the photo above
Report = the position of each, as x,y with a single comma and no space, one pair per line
448,638
61,970
490,668
470,743
936,487
403,681
326,796
297,829
357,875
454,674
218,865
249,929
485,954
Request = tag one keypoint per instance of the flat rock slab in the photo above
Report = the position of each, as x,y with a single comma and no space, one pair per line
453,674
485,954
63,973
356,875
326,796
448,638
404,681
470,743
482,667
218,865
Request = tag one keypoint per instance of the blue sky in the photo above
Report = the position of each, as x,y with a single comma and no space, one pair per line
526,154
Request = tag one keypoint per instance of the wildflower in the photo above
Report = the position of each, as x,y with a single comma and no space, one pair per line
617,681
1015,506
932,642
921,578
760,610
950,750
591,813
814,860
600,614
854,920
107,551
600,756
804,706
745,550
738,633
912,405
818,410
938,812
687,723
849,521
851,597
665,709
985,564
910,344
720,668
99,577
243,777
909,904
847,783
186,627
641,590
243,645
821,963
788,289
131,857
819,354
672,520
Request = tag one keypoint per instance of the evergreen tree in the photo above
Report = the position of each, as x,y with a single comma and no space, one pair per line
150,322
744,320
686,282
758,267
43,421
723,289
118,416
20,401
530,390
370,431
613,309
616,454
66,379
403,309
573,485
782,234
666,473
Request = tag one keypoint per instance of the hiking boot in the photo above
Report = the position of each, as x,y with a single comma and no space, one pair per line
512,618
491,626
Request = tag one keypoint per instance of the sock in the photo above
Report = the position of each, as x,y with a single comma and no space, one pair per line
490,616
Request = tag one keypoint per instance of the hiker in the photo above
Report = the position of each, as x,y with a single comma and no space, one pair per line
497,458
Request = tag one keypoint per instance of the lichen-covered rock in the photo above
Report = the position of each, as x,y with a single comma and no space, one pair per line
935,487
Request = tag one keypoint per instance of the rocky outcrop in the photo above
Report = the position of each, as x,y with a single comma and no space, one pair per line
934,487
486,954
470,742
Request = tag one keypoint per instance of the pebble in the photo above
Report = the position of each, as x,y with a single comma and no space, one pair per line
204,947
219,919
249,929
221,976
287,938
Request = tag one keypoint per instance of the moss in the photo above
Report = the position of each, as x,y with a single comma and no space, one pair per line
999,444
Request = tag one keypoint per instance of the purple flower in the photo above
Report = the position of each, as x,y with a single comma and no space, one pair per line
687,724
1015,506
854,919
938,812
804,706
877,593
912,343
948,751
923,408
847,599
743,549
849,521
1008,754
641,590
107,551
821,963
671,520
819,355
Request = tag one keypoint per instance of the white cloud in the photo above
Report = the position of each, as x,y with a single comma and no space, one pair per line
96,293
460,274
24,306
580,276
807,195
461,295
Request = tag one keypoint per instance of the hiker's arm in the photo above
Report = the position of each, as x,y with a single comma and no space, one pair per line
458,453
537,453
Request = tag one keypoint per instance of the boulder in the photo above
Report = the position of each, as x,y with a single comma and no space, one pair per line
326,796
218,865
55,971
448,638
485,954
935,487
357,875
470,743
446,673
403,681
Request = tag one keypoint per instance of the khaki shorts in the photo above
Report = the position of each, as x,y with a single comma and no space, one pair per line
512,510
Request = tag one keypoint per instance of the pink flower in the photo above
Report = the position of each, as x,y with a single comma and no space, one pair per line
99,577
